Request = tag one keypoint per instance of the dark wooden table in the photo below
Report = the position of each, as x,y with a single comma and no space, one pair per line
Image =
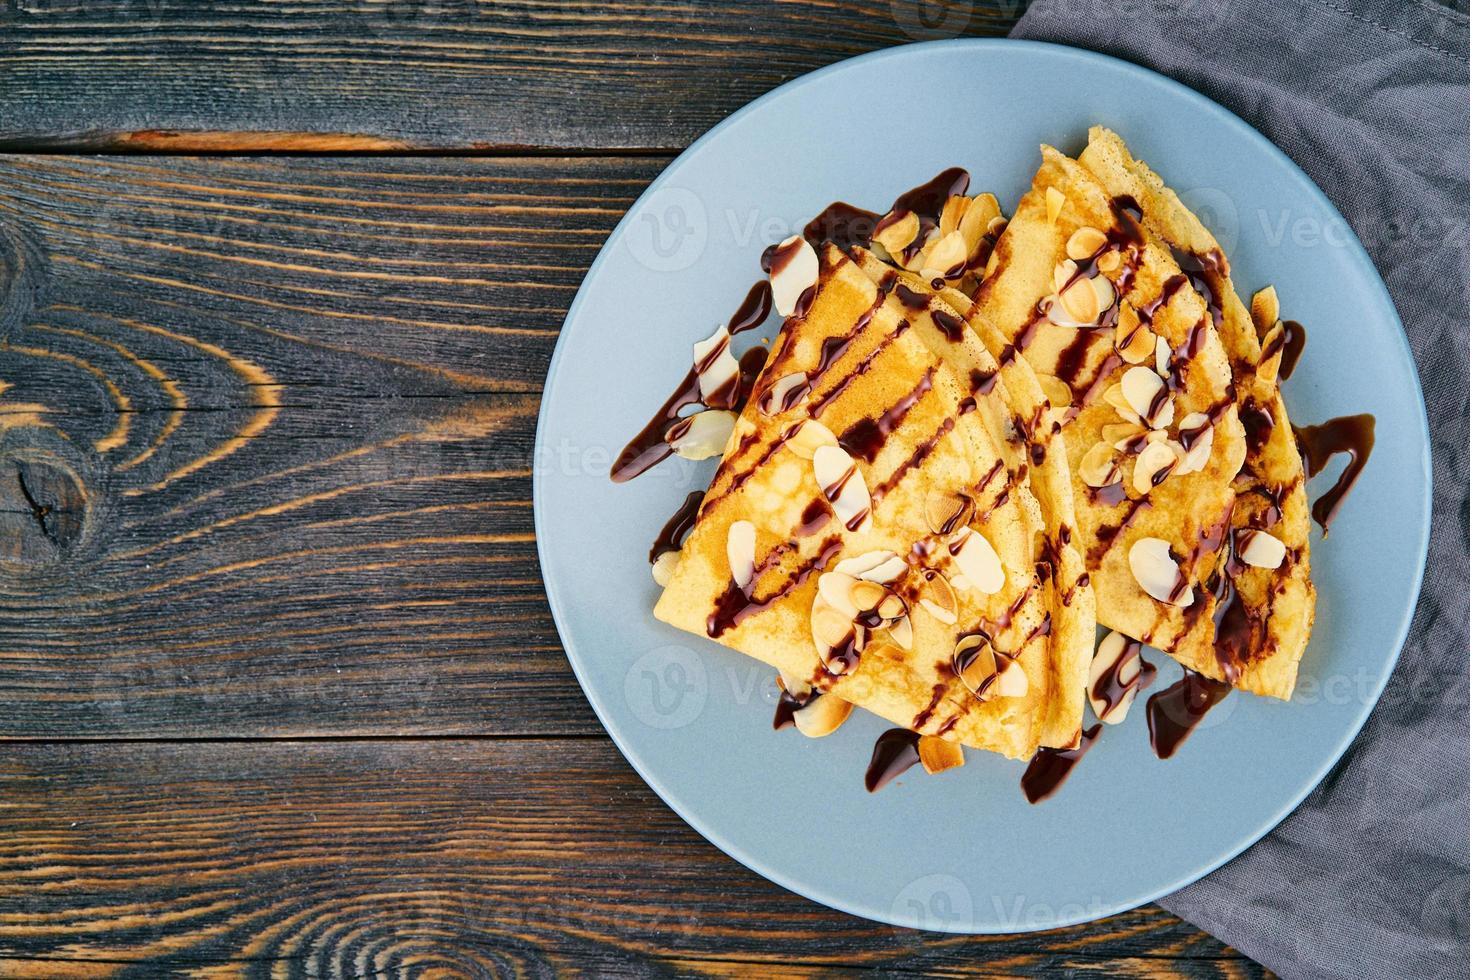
279,692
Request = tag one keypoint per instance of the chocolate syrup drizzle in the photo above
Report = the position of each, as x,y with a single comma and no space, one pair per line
1177,710
1110,688
1049,768
650,446
865,437
671,538
1351,434
895,752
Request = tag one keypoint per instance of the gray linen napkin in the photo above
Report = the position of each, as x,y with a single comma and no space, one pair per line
1371,876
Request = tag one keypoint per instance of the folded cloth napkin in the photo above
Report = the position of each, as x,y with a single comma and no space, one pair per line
1371,876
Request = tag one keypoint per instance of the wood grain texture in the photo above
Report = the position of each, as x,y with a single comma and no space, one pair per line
266,433
444,858
466,74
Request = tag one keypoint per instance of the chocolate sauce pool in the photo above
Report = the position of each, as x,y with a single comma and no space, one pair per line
1049,768
1177,710
895,753
1350,434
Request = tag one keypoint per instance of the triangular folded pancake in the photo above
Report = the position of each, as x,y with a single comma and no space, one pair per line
916,497
1024,423
1132,357
1265,620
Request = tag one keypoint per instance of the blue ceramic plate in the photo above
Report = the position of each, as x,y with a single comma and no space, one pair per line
963,852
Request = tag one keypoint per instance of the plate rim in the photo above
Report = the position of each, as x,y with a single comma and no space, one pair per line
816,893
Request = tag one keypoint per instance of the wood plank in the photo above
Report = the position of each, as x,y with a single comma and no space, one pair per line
392,74
266,437
476,857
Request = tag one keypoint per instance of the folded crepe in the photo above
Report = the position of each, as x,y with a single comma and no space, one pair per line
1265,601
1130,353
874,530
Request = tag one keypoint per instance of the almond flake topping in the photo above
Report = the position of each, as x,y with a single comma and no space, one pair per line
719,372
945,512
1100,467
1119,661
897,232
701,435
663,568
1154,465
821,715
1196,430
843,485
938,754
874,566
807,436
977,561
1158,574
938,599
1259,548
793,272
1147,396
784,393
740,553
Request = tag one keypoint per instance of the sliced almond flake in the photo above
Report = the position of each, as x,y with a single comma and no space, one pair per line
663,568
975,663
1085,243
977,560
1057,391
1265,309
1113,395
1162,356
1110,261
784,394
1106,295
946,511
807,436
1054,201
821,715
1269,367
1155,462
1200,433
844,487
835,589
874,566
719,371
1012,681
1115,432
1259,548
937,598
740,553
938,754
1099,467
1157,573
902,633
701,435
1117,656
1146,395
954,210
899,232
793,278
795,686
946,257
1080,300
982,213
1135,342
